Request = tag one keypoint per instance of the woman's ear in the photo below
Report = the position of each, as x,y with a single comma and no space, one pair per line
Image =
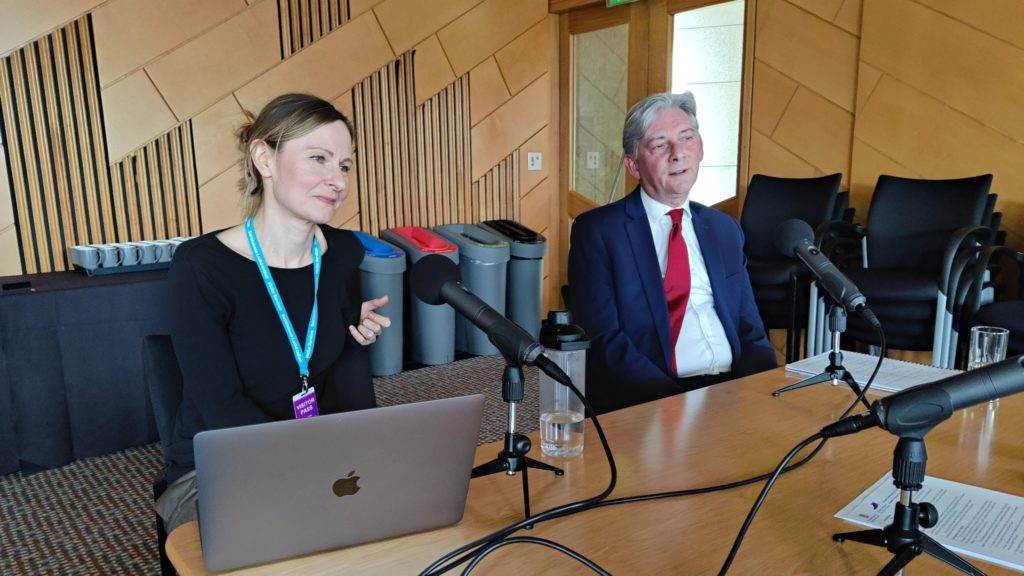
262,156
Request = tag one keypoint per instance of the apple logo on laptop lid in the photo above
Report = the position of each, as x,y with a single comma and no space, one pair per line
346,486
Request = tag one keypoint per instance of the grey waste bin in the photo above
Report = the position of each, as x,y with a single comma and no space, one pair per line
483,263
430,328
383,273
524,300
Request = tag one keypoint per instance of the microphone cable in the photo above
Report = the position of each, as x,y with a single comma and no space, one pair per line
779,469
482,545
487,544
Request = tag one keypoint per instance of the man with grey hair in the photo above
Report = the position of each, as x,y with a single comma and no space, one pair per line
658,282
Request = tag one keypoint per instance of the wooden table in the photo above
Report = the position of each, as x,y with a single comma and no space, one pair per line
728,432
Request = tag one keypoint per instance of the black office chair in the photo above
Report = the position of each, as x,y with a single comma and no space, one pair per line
163,379
780,282
994,296
915,230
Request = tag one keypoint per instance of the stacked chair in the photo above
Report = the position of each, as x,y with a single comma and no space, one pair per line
916,236
991,293
781,282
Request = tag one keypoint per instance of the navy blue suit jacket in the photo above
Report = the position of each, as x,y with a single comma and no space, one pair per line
618,298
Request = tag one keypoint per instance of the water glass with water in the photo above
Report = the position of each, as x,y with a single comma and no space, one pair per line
561,412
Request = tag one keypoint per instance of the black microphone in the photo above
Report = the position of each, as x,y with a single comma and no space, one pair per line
435,280
793,239
915,411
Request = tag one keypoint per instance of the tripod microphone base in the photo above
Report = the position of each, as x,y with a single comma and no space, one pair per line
907,543
514,459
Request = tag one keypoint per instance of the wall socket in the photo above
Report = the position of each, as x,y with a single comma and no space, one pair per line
533,161
593,160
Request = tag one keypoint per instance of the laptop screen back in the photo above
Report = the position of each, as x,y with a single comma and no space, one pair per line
284,489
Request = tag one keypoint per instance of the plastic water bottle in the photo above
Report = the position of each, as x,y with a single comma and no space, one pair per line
561,412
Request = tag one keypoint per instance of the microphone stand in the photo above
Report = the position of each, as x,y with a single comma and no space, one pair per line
513,457
835,372
904,537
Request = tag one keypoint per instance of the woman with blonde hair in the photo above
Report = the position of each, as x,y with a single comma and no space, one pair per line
267,318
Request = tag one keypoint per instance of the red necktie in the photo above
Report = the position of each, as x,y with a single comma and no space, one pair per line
677,278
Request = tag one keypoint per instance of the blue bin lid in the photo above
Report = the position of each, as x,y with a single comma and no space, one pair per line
377,248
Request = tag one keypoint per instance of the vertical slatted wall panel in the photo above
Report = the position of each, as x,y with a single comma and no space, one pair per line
385,156
156,185
49,94
65,193
496,193
413,162
442,126
306,21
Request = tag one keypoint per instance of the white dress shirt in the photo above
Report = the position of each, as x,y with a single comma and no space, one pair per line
702,347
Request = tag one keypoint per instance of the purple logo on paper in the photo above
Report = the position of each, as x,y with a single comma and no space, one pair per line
305,404
346,486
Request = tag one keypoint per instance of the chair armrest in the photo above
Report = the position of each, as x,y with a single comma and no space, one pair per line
965,237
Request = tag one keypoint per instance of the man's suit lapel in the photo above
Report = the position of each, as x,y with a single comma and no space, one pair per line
638,231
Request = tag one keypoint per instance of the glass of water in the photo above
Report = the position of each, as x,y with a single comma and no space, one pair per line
988,345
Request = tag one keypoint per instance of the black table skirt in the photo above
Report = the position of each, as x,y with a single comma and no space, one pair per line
71,366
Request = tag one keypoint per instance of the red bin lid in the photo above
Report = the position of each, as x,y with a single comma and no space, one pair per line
424,240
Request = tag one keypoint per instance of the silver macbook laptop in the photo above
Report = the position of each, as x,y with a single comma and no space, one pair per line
285,489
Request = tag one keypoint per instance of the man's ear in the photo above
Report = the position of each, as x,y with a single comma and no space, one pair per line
631,167
262,156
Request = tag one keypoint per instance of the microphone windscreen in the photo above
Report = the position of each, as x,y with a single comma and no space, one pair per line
429,274
790,234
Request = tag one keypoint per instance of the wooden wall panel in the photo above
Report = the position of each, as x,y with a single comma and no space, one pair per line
23,22
219,200
408,22
511,125
1000,18
487,89
867,79
201,72
848,17
130,33
433,72
357,7
941,45
774,90
813,52
360,44
6,207
133,113
527,57
487,28
869,163
817,131
824,9
213,131
769,157
10,255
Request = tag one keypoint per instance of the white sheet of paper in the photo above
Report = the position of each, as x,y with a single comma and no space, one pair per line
893,376
974,522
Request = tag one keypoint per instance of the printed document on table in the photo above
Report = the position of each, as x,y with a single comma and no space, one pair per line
973,521
893,376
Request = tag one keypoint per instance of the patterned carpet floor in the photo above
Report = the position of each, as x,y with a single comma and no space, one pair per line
94,516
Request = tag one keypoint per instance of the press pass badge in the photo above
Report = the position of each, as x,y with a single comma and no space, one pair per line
304,403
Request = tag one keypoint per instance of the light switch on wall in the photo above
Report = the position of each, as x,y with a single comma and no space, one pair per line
533,161
593,159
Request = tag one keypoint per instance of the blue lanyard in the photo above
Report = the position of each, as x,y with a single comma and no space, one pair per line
301,357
